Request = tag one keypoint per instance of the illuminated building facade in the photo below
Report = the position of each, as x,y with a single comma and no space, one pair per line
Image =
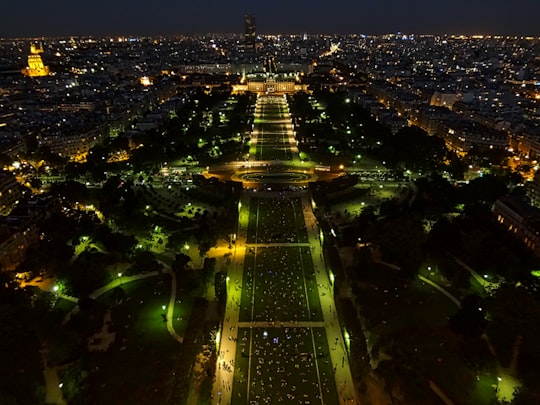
270,86
36,68
10,191
521,219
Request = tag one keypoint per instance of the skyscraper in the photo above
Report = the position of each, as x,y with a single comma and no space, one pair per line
249,31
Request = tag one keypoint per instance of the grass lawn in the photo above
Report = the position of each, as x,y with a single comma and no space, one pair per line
484,390
141,365
64,305
182,311
411,322
274,220
278,364
279,285
283,365
274,143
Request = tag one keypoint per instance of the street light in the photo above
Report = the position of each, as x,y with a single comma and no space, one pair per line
164,315
347,340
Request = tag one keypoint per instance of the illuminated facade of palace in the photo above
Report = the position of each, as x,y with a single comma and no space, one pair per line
270,86
36,68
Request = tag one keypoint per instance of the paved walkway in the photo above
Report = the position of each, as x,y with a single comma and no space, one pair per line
53,391
279,324
440,289
128,279
339,352
170,308
107,287
284,244
487,285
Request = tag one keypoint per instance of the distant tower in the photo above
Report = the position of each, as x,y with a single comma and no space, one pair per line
35,68
270,66
250,33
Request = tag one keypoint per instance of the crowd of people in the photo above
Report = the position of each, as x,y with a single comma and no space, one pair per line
278,221
278,286
283,368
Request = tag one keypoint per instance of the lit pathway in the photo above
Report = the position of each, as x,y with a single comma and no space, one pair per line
128,279
285,324
53,391
440,289
338,349
487,285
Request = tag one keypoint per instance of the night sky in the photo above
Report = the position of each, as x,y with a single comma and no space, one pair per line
32,18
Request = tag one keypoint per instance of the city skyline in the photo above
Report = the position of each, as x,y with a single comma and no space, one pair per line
121,17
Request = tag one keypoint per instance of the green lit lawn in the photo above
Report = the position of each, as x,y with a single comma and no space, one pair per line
279,285
276,220
412,320
64,305
272,139
283,365
276,364
182,312
139,366
483,392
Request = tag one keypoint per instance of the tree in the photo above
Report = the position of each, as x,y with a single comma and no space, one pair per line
19,346
469,320
72,191
486,189
144,262
514,312
400,241
180,262
86,274
414,149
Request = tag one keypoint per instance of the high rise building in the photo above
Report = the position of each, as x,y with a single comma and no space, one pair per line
250,33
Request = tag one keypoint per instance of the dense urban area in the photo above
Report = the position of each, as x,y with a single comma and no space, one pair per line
249,219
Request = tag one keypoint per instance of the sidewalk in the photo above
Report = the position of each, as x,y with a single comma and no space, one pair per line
338,350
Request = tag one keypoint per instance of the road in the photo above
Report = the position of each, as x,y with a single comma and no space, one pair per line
273,141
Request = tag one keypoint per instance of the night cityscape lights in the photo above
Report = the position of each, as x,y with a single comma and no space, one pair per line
262,218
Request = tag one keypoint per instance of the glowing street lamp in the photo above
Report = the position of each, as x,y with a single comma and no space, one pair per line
347,340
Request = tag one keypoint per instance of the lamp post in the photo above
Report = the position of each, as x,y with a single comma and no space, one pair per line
164,315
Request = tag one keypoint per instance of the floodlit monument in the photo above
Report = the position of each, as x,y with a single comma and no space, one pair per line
270,81
35,67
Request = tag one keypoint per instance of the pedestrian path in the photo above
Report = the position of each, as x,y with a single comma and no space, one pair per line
280,324
118,282
250,245
442,290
